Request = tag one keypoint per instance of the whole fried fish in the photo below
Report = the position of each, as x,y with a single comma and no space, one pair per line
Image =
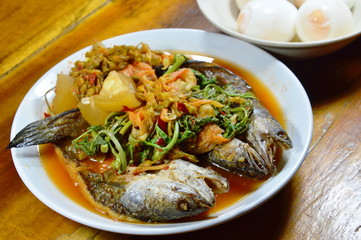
157,196
251,155
182,189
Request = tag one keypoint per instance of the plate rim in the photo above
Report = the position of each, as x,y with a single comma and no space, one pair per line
180,228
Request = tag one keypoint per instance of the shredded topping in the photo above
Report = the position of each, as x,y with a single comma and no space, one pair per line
182,113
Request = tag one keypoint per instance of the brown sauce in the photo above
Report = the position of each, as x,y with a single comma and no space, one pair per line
57,172
239,186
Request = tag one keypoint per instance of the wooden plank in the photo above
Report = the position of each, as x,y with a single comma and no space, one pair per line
27,28
327,194
83,232
45,29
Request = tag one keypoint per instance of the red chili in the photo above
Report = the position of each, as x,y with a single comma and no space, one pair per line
92,78
163,125
125,108
136,173
46,114
182,107
79,67
160,141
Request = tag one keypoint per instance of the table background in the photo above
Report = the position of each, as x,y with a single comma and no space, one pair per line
323,200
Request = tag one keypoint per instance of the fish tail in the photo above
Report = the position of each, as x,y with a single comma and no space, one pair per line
50,130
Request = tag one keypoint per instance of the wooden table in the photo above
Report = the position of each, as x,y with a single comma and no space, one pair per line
323,200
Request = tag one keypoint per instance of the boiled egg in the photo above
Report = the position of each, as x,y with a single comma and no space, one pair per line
271,20
323,19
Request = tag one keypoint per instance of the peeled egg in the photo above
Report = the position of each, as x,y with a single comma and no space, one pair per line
271,20
323,19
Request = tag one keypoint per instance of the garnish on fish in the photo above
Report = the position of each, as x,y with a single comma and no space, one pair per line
179,111
254,151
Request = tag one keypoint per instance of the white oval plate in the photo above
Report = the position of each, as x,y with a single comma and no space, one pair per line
275,75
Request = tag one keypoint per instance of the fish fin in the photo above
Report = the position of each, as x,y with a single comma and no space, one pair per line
49,130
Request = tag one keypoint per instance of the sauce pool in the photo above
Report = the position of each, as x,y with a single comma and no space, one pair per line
57,172
239,186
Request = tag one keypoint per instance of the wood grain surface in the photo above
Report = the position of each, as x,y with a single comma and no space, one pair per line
323,200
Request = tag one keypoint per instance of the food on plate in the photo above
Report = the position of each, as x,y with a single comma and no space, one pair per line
253,155
161,118
280,20
271,20
64,98
323,19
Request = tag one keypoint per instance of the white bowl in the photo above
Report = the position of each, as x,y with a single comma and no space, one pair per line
274,74
223,15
